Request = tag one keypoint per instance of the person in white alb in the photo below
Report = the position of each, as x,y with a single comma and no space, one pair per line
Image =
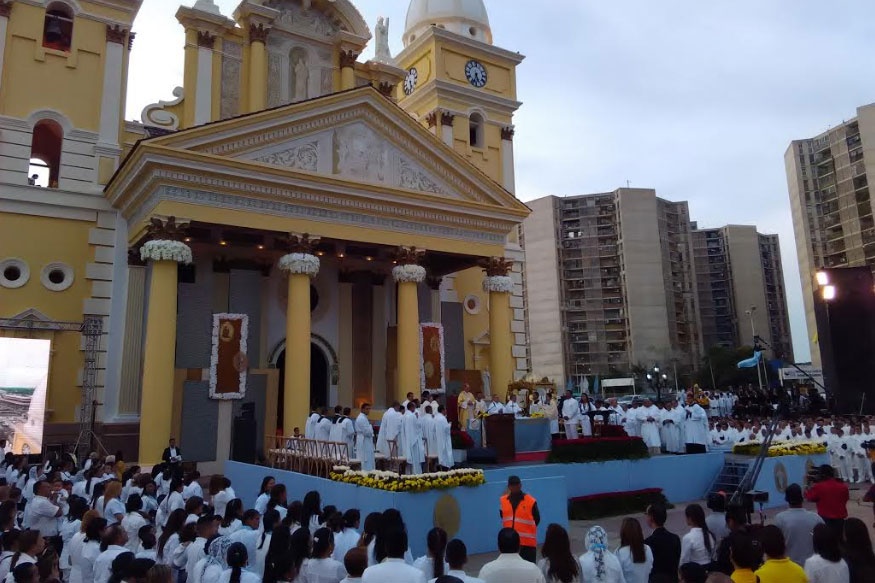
394,569
495,407
510,567
649,417
570,414
364,438
412,446
443,437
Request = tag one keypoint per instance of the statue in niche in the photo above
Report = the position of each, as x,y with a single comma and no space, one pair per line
381,33
302,77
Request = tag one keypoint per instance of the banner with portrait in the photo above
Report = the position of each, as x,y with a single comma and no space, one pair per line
228,361
431,342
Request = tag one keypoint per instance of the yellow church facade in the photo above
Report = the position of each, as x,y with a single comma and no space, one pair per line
295,228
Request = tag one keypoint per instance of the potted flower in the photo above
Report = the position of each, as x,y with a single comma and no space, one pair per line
462,442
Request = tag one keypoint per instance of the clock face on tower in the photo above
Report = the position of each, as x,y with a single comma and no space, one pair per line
475,72
410,80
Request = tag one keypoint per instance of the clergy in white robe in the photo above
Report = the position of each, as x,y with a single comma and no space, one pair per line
335,434
391,428
494,407
412,440
443,439
364,439
323,429
466,403
347,433
536,406
426,425
695,427
648,415
512,408
310,427
382,446
630,422
551,412
671,423
570,415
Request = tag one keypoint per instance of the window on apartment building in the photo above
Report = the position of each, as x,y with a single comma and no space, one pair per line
58,27
45,154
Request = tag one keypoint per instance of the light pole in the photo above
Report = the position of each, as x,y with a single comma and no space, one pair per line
657,381
753,334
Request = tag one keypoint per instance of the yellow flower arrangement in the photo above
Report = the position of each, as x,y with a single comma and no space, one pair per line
781,448
537,415
393,482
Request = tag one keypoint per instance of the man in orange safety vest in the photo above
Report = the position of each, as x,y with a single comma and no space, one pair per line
519,511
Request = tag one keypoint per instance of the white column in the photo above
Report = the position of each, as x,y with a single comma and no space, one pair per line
447,128
203,108
507,168
111,102
4,22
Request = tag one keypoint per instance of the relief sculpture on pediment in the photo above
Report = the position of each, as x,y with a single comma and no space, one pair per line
309,21
301,157
360,153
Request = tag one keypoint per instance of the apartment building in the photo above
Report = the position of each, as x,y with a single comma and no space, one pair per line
828,181
612,281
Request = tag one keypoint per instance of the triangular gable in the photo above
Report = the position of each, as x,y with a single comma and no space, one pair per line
358,135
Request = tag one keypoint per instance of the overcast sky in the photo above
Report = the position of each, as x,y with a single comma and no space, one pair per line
698,100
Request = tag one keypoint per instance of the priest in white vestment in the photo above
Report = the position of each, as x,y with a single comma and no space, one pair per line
695,427
630,423
443,439
466,404
390,427
551,412
310,427
347,433
536,406
512,407
364,439
570,415
494,407
323,429
426,425
648,415
672,417
411,439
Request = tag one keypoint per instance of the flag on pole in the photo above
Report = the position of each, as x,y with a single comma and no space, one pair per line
752,361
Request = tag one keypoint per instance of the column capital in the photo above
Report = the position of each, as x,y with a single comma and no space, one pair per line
301,243
165,241
507,133
348,59
205,39
431,119
386,89
5,8
258,33
115,34
131,37
447,118
496,266
408,255
497,279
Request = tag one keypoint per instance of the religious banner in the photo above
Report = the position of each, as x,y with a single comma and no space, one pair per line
431,341
228,361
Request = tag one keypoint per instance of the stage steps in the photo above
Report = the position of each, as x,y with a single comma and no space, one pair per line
730,476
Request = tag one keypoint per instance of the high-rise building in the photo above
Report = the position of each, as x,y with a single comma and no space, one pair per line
727,287
827,176
625,279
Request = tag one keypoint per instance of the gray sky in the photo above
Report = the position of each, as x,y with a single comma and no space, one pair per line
696,99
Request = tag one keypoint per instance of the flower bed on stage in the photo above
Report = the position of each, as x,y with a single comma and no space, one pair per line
781,448
392,482
614,503
570,451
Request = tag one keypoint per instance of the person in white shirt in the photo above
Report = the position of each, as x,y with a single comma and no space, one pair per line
426,425
826,564
355,561
347,538
221,493
586,406
510,567
699,544
264,493
112,546
570,414
364,438
113,509
133,522
511,407
321,568
636,558
192,487
495,407
237,560
432,564
552,413
394,569
648,416
598,563
695,427
248,534
558,565
457,557
206,529
44,513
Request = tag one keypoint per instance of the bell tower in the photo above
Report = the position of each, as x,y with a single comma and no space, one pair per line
459,84
63,69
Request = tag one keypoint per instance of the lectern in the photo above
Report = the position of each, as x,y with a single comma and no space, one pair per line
500,436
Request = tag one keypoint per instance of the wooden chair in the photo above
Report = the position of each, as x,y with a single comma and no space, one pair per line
431,460
397,463
345,460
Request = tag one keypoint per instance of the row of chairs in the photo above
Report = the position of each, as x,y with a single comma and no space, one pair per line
317,458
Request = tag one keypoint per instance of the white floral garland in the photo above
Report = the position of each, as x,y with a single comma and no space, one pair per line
440,328
408,273
214,357
382,474
300,263
166,250
502,284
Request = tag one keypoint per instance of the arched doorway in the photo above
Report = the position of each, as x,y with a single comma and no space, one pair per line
320,380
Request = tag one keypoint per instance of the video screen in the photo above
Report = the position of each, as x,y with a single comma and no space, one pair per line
24,374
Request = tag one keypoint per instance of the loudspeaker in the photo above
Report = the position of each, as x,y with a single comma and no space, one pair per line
243,441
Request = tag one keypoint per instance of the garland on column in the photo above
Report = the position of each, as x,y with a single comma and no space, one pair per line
165,242
300,258
497,279
409,269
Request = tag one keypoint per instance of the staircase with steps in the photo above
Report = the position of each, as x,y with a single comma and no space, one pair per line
730,476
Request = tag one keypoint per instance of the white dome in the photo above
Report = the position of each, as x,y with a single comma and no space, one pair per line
464,17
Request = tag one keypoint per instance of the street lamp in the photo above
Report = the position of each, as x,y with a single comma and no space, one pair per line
656,382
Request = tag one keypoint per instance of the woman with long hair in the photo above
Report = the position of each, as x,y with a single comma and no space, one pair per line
826,564
264,494
30,546
635,557
276,501
279,548
598,564
369,532
699,544
237,559
169,539
311,513
233,518
391,520
433,563
221,493
321,568
9,544
269,522
70,527
348,536
113,509
90,549
558,563
211,567
76,546
858,551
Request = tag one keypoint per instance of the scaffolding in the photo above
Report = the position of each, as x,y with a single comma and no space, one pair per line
91,328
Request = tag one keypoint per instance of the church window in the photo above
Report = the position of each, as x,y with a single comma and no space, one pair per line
58,27
57,276
472,31
475,130
14,273
45,154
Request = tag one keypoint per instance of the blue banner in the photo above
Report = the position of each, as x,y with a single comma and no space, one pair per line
752,361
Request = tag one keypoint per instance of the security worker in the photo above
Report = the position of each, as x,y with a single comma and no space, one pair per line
519,511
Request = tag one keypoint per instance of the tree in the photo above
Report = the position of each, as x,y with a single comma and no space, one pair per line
723,363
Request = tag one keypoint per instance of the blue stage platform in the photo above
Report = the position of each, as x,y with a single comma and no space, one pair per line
682,478
779,472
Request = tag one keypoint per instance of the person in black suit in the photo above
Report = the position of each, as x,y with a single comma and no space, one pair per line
172,457
666,547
